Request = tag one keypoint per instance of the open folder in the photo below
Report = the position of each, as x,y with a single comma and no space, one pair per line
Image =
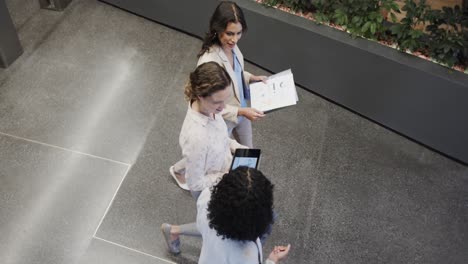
278,91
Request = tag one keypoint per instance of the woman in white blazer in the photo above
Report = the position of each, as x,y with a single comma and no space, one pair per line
220,45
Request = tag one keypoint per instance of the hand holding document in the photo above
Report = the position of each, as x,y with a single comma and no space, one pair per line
278,91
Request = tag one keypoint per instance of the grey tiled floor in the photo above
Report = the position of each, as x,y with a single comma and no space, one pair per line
94,107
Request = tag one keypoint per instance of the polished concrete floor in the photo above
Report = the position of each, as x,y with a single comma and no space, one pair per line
89,123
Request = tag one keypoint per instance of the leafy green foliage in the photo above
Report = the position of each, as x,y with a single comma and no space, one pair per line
324,9
405,34
363,17
448,39
390,6
293,4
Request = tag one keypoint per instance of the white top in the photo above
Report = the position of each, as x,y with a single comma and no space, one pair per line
216,54
207,148
216,250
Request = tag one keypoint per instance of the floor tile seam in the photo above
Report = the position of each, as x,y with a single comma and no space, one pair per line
64,149
156,118
132,249
111,202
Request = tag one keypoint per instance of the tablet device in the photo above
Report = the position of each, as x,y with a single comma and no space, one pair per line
246,157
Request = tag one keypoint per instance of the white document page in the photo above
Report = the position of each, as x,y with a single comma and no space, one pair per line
278,91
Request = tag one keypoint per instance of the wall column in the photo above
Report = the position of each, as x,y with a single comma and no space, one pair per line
10,46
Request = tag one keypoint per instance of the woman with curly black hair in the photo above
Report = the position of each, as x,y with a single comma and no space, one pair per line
232,215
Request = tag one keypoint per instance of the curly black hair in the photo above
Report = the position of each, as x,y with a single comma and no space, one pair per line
241,205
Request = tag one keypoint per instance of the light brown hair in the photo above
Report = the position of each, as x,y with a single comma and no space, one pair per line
207,79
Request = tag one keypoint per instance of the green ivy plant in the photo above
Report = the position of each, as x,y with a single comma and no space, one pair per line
448,40
405,34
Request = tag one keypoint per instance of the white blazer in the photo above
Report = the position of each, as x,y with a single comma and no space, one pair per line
216,54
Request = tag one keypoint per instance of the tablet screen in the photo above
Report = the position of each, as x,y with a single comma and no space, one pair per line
246,157
250,162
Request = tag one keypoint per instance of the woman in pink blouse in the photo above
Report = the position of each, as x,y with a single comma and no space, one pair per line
206,146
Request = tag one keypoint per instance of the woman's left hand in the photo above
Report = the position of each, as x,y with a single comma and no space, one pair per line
258,78
279,253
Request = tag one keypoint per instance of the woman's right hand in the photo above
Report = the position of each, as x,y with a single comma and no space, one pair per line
251,113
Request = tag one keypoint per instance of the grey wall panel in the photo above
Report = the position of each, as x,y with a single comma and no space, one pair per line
10,47
187,15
